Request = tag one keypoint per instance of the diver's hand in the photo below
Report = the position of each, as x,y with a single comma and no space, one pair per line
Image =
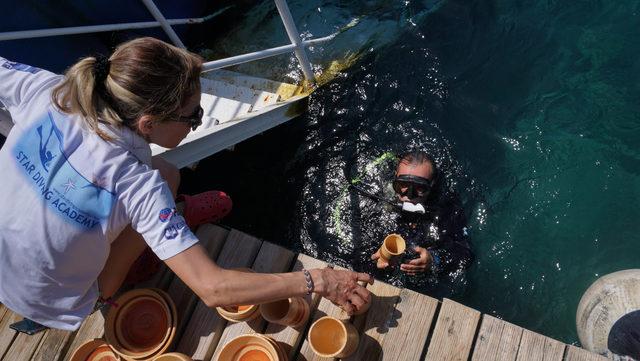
342,288
381,263
417,265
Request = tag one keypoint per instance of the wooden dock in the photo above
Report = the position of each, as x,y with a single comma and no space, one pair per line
401,325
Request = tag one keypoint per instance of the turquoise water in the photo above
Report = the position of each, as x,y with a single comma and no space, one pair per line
531,107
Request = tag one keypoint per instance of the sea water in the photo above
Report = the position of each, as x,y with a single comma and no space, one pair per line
532,109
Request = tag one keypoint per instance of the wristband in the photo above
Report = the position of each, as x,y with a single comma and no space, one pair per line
309,280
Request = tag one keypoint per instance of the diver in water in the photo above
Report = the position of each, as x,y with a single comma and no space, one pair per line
432,223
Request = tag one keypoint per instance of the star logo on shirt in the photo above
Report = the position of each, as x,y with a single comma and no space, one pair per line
69,185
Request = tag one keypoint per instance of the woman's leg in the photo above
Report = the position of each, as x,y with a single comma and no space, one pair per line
129,245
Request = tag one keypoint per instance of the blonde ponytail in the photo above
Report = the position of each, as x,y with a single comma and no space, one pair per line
143,76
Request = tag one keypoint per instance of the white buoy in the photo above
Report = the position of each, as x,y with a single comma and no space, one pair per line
608,316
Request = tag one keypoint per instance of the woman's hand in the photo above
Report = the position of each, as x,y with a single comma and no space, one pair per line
342,288
417,265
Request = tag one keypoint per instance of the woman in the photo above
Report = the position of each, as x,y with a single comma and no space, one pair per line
84,197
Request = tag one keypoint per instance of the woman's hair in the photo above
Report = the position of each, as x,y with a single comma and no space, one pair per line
143,76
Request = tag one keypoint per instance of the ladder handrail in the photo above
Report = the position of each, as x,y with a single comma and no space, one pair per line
261,54
297,44
157,14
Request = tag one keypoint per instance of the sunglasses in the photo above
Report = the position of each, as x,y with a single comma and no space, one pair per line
412,186
194,120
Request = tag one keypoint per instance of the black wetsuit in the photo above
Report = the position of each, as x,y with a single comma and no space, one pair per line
443,232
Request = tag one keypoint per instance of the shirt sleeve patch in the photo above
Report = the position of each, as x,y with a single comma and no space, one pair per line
11,65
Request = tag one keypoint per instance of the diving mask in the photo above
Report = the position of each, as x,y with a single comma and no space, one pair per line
412,186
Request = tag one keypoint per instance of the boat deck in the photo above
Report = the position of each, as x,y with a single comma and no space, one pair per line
401,325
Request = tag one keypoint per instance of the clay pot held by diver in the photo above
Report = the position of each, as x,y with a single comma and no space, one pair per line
331,337
392,247
292,312
173,356
143,325
94,350
254,347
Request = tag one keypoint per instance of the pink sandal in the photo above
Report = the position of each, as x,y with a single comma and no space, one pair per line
206,207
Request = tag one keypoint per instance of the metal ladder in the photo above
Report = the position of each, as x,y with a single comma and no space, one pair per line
297,45
236,106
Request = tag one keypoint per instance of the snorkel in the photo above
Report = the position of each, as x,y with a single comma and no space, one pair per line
399,207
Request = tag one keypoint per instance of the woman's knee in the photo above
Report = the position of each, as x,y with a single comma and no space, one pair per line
169,172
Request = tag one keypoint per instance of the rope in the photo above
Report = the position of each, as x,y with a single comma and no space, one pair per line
337,209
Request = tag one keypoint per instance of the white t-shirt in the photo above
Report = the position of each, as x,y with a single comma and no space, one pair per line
66,194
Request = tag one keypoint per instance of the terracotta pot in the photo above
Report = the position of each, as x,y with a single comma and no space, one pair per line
292,312
281,354
392,247
239,313
251,348
173,356
94,350
331,337
143,325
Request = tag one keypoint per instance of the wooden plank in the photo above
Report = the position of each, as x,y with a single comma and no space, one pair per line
92,327
406,341
380,318
270,259
325,308
453,335
579,354
23,347
7,335
288,337
203,331
211,237
53,346
535,347
497,340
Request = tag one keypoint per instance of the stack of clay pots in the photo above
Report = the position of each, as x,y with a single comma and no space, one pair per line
99,350
255,347
292,312
94,350
141,327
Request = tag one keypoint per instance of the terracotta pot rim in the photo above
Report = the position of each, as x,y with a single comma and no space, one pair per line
172,356
245,315
127,348
281,354
242,341
343,327
127,299
85,349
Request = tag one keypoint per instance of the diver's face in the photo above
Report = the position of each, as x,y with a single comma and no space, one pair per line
424,170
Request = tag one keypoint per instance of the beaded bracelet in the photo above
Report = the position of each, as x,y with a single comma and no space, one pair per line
309,280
